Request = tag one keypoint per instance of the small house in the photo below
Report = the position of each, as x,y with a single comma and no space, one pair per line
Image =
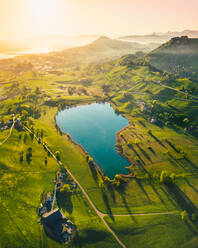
153,120
55,224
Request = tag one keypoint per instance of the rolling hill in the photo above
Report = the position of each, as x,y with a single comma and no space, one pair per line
159,37
179,55
103,49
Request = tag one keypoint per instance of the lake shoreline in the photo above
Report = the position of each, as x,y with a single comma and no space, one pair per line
117,137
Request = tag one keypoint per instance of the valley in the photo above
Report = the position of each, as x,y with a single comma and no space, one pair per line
153,204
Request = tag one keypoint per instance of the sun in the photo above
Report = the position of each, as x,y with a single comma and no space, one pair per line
43,10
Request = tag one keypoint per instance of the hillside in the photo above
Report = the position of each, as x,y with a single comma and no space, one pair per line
179,55
103,49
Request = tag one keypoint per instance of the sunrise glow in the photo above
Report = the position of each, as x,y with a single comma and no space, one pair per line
24,18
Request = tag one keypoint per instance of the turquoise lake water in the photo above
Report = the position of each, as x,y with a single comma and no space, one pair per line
94,126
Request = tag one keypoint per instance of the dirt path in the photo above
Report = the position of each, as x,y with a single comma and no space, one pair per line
1,143
171,88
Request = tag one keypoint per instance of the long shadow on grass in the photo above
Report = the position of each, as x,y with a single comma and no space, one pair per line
107,205
112,193
181,198
143,190
156,139
137,154
151,149
192,186
93,171
64,201
142,123
144,152
122,193
184,203
172,145
194,166
179,163
89,236
159,196
170,198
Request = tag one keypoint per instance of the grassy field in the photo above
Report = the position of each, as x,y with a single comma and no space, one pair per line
153,148
155,231
22,186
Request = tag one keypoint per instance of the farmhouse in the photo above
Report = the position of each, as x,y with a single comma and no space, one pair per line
57,226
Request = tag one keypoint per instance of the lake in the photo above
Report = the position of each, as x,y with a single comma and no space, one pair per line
94,126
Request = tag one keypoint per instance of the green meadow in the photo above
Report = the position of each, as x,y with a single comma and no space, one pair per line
169,145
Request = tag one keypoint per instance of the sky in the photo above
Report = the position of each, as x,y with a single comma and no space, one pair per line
21,19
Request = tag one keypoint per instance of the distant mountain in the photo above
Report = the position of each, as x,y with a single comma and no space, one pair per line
160,37
103,49
179,55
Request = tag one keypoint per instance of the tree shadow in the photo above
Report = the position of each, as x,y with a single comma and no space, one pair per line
142,123
169,197
156,139
107,205
89,236
123,138
181,198
151,149
112,193
77,240
190,227
142,189
159,196
122,193
192,186
64,201
172,161
93,171
127,207
194,166
171,145
144,152
137,154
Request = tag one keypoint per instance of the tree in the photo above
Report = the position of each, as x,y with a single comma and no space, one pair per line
29,155
57,153
42,133
45,161
166,178
184,215
65,189
25,138
89,160
37,91
24,114
21,157
193,217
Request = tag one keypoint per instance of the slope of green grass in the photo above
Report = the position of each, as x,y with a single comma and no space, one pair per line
154,231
